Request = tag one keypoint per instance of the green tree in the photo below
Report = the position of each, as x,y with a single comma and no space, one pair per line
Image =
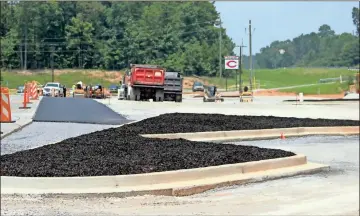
356,16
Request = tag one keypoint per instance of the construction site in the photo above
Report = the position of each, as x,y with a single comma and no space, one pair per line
153,147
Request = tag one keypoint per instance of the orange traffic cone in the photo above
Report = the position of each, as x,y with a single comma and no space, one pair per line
25,101
282,136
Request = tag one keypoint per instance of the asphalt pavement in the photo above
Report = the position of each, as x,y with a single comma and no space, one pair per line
76,110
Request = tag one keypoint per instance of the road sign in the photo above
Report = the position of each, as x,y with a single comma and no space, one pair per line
231,62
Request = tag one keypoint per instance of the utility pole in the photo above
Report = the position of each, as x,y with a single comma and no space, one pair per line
250,56
220,51
240,64
25,48
52,63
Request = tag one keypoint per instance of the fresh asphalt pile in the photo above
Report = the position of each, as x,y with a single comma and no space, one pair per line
191,122
120,151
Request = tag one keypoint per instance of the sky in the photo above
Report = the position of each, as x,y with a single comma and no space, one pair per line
282,20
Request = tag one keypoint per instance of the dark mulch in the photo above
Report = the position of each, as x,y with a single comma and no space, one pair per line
190,122
119,151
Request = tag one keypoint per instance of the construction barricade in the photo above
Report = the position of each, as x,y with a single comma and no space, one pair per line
26,98
34,93
5,106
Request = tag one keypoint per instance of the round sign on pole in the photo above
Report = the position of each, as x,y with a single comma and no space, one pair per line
231,64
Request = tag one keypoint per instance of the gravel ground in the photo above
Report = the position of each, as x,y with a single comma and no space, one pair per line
331,193
38,134
326,100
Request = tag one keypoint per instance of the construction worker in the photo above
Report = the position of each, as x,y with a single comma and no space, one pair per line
64,90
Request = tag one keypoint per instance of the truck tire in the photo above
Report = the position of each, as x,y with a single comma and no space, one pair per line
178,98
159,95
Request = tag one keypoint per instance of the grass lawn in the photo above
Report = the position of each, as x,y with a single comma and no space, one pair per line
264,78
325,88
268,78
13,80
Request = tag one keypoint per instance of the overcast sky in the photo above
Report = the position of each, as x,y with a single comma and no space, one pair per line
283,20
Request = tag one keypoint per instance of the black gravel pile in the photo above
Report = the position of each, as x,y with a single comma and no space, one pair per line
120,151
190,122
325,100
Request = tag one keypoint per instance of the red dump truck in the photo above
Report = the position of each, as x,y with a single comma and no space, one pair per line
144,82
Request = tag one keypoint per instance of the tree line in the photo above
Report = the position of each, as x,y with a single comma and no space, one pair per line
181,36
316,49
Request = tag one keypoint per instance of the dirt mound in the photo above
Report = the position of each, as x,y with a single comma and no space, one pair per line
117,151
189,82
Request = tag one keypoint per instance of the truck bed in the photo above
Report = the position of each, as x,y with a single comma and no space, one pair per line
173,82
147,76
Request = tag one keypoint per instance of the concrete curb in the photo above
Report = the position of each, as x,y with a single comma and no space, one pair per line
259,134
24,125
16,130
170,183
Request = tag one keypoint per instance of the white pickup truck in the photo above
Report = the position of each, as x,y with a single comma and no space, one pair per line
58,88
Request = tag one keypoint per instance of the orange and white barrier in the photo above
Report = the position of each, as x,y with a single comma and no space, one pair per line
26,98
34,92
5,106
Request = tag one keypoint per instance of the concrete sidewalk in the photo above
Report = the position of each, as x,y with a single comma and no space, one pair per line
22,117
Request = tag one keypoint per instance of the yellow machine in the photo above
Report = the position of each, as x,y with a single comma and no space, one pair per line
97,91
79,90
246,95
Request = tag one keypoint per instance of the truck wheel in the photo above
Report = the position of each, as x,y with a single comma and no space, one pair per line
178,98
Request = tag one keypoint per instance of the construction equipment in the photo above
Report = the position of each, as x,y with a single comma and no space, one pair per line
96,91
211,94
246,95
173,86
144,82
79,90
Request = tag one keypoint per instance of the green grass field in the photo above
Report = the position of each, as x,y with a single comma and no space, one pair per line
267,79
264,78
13,80
325,88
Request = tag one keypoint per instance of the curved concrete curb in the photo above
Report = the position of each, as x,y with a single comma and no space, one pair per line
171,183
16,129
259,134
